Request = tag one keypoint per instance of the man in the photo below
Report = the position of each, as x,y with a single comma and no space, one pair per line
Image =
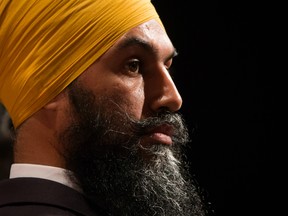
88,89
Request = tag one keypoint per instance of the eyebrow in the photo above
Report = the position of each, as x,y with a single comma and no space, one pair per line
135,41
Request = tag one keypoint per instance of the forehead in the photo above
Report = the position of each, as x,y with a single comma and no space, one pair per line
149,35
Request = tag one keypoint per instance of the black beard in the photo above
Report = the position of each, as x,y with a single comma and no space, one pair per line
116,172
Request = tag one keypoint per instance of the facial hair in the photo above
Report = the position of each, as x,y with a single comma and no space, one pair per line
118,173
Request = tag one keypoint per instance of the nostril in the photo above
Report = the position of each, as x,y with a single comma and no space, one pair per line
175,103
171,101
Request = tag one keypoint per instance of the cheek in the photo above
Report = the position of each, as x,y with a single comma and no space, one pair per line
129,98
137,103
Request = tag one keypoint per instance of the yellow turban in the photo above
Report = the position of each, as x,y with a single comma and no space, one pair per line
46,44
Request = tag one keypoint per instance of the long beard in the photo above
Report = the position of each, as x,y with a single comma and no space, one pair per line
116,172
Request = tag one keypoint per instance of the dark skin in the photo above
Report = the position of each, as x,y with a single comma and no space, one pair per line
136,67
131,80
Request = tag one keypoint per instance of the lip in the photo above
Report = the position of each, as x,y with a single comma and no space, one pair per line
161,134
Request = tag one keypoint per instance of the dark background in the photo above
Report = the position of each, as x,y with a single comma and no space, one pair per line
228,101
223,73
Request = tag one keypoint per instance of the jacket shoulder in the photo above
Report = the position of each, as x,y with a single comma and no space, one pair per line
41,197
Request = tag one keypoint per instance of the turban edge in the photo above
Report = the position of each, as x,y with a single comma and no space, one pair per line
45,45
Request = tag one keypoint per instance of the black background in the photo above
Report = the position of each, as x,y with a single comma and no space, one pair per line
228,101
224,77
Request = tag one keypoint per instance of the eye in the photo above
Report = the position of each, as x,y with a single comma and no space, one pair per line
133,66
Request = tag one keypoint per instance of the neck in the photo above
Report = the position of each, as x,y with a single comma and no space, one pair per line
36,144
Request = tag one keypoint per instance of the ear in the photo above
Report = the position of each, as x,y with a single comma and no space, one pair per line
57,102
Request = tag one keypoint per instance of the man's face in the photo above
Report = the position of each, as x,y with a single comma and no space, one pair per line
124,140
137,68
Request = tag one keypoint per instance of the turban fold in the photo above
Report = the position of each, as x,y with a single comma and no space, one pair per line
46,44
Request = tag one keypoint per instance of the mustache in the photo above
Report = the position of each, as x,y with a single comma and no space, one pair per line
174,120
84,102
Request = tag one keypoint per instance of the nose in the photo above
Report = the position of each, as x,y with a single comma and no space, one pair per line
164,93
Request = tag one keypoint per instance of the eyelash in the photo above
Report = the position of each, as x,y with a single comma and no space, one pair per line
133,63
136,63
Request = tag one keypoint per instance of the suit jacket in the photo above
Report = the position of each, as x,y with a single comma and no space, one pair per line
40,197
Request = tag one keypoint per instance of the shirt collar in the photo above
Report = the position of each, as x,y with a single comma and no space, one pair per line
56,174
